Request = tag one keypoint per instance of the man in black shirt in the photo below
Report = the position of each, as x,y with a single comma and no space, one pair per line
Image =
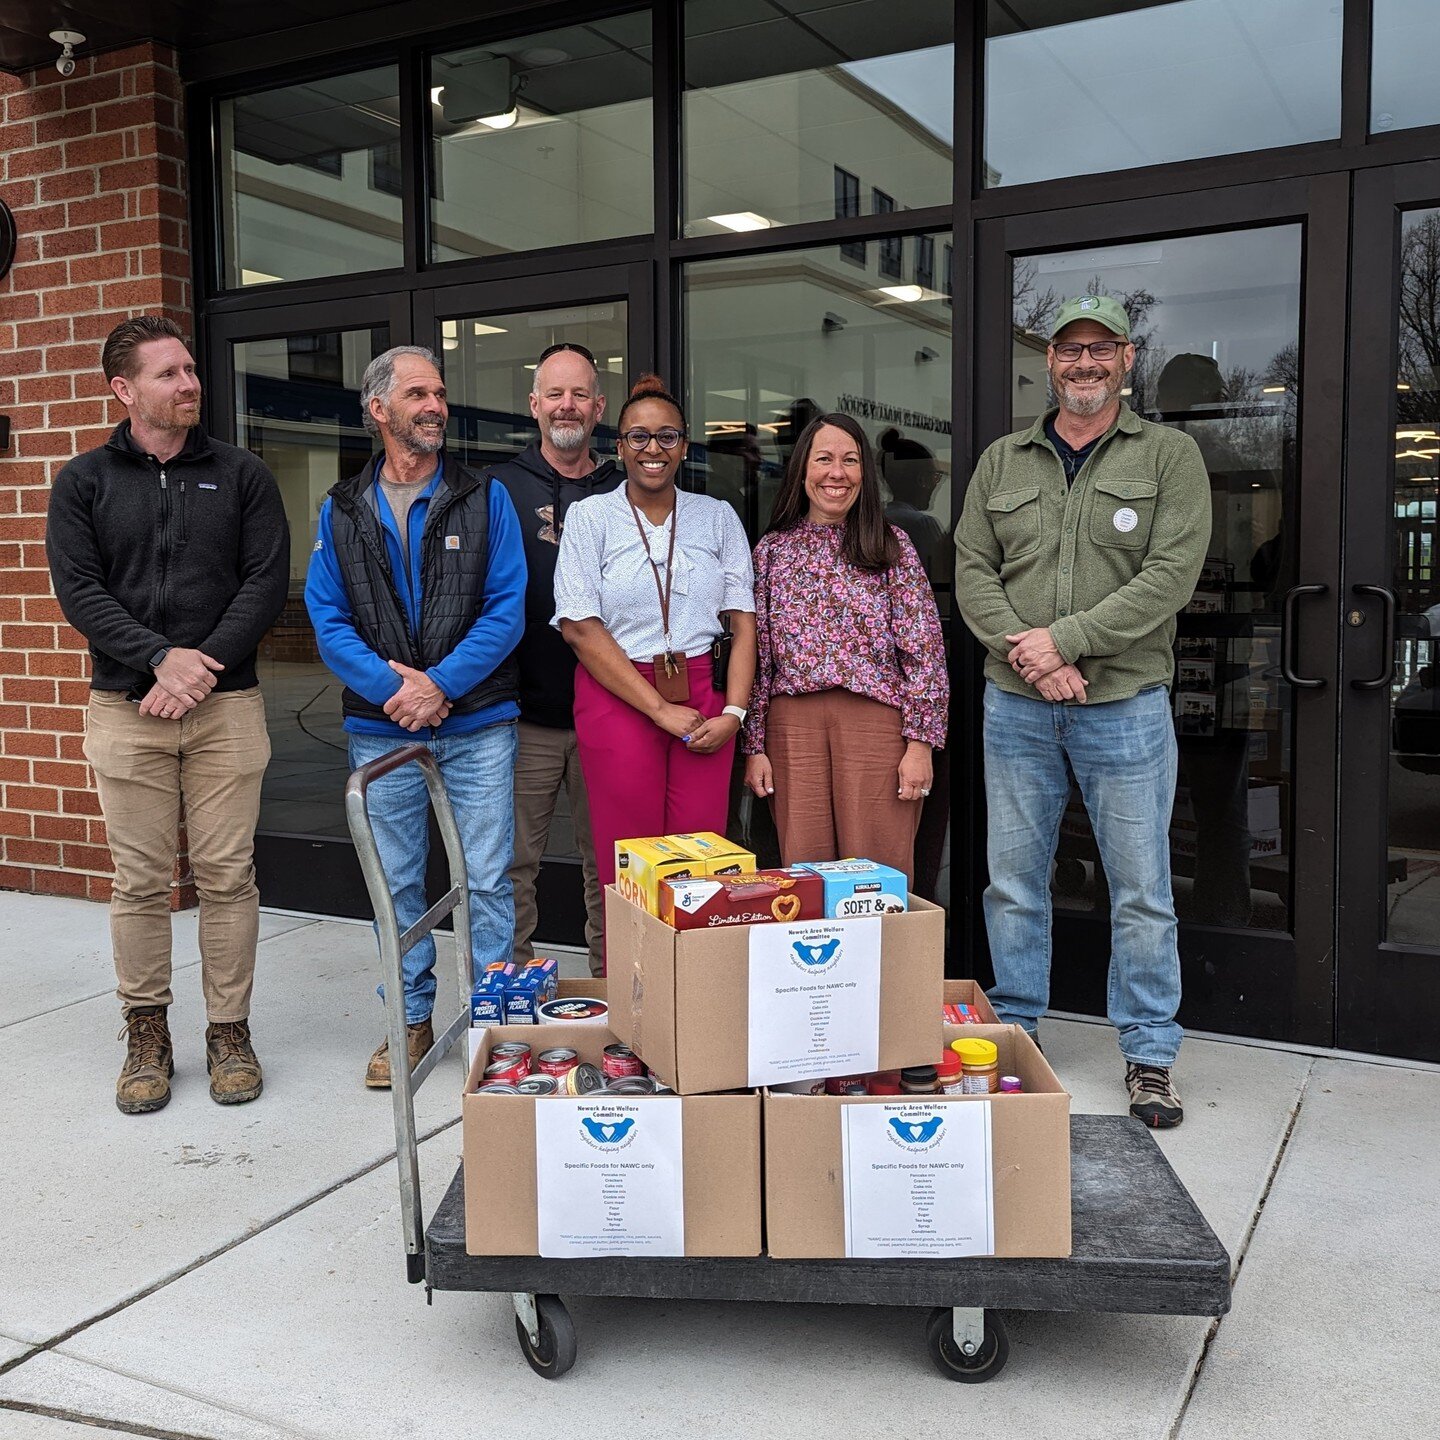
170,554
544,481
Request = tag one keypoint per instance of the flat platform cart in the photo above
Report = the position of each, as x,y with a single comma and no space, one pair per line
1140,1245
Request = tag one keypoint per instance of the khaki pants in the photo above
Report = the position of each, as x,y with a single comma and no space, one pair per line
213,760
548,759
836,757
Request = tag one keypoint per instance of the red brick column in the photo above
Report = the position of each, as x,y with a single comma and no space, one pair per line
94,169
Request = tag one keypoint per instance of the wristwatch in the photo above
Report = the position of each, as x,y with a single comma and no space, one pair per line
158,658
736,711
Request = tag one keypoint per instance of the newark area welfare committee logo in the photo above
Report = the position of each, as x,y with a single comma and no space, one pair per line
917,1135
607,1129
815,954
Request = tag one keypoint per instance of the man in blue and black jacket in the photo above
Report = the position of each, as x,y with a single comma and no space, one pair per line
416,589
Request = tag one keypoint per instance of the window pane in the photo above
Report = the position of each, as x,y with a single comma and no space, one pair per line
297,406
308,179
773,341
1216,325
777,99
543,140
1403,92
1121,84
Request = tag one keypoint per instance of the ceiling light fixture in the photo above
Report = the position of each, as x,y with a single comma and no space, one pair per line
500,122
742,221
907,294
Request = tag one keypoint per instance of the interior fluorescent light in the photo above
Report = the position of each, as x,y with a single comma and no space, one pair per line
1272,389
1401,385
741,221
483,329
908,293
436,93
500,122
1124,391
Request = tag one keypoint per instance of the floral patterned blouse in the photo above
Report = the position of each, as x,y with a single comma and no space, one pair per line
823,624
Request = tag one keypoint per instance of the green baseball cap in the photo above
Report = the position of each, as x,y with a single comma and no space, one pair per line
1099,308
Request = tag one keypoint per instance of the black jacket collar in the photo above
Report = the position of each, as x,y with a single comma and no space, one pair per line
197,444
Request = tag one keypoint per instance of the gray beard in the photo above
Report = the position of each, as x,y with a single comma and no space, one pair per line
1087,405
567,435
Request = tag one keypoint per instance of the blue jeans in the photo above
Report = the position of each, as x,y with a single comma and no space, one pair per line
1123,757
479,774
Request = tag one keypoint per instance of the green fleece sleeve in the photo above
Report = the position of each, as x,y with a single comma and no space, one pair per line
978,592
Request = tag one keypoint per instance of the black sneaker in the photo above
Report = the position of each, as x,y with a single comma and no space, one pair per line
1152,1096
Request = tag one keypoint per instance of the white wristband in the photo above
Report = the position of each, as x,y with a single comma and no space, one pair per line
736,711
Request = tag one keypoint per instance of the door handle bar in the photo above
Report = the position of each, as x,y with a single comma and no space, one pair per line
1387,639
1287,631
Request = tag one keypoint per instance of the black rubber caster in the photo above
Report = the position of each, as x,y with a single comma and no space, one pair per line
555,1352
985,1364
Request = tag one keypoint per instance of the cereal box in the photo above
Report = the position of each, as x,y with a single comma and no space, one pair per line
721,856
640,866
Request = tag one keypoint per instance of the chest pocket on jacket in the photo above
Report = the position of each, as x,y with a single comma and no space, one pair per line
1122,512
1015,518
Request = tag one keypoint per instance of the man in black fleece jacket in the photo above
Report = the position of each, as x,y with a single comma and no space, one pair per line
170,554
544,481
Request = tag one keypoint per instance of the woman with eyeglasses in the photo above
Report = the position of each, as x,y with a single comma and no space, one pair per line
650,582
851,693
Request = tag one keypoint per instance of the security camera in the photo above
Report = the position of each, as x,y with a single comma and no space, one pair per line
67,40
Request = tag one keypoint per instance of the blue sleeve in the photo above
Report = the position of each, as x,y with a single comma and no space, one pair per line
501,622
341,648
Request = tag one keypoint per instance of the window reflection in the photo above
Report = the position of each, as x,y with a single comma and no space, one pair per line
784,102
1402,64
1413,799
1120,84
297,406
543,140
773,341
1215,322
309,179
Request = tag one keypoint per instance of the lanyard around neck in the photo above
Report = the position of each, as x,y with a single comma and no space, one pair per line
663,591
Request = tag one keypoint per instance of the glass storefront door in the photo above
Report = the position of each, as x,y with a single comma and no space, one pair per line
1390,645
1228,352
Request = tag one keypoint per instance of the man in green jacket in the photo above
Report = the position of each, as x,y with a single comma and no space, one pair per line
1080,539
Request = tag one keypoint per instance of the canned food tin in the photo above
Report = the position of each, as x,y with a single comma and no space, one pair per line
538,1085
559,1061
507,1048
509,1070
631,1085
574,1007
620,1062
584,1080
497,1090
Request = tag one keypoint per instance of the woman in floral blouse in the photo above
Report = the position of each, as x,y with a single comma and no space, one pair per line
851,693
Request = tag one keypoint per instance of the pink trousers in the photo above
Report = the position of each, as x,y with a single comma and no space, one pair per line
642,780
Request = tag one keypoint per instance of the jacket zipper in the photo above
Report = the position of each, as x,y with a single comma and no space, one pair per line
164,550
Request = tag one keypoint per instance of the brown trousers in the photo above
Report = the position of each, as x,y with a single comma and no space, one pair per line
836,756
214,760
546,760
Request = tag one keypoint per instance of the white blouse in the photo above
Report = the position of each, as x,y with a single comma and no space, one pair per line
603,571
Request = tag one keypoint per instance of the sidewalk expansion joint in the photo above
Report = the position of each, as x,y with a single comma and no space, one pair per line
167,1280
119,1427
1241,1251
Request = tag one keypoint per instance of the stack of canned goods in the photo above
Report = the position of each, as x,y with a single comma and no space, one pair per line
560,1071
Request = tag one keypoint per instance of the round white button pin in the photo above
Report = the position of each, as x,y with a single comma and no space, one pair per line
1126,520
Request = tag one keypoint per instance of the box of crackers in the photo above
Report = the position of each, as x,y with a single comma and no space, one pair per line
757,897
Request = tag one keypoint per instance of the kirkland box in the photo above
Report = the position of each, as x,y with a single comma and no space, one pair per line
607,1174
830,997
923,1176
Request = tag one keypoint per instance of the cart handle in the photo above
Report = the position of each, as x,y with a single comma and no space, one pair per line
393,946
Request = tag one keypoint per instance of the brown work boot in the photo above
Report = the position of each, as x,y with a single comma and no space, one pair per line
230,1058
144,1082
418,1040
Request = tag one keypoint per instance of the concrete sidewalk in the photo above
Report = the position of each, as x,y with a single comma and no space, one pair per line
237,1274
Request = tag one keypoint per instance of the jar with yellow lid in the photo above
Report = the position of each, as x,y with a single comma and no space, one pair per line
980,1066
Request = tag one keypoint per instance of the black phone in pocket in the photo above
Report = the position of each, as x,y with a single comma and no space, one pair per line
720,656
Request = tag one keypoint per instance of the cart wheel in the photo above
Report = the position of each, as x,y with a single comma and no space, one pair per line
985,1364
555,1353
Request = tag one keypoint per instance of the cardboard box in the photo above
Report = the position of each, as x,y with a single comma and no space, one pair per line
720,1159
564,990
971,993
681,998
753,898
1029,1154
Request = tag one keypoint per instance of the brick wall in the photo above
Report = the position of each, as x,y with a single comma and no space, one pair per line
94,169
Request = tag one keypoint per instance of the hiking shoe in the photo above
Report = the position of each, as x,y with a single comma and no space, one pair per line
1152,1096
144,1082
418,1040
230,1058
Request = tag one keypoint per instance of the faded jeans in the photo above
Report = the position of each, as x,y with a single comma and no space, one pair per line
478,771
1123,757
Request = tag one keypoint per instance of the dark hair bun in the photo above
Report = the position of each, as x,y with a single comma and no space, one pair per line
648,384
